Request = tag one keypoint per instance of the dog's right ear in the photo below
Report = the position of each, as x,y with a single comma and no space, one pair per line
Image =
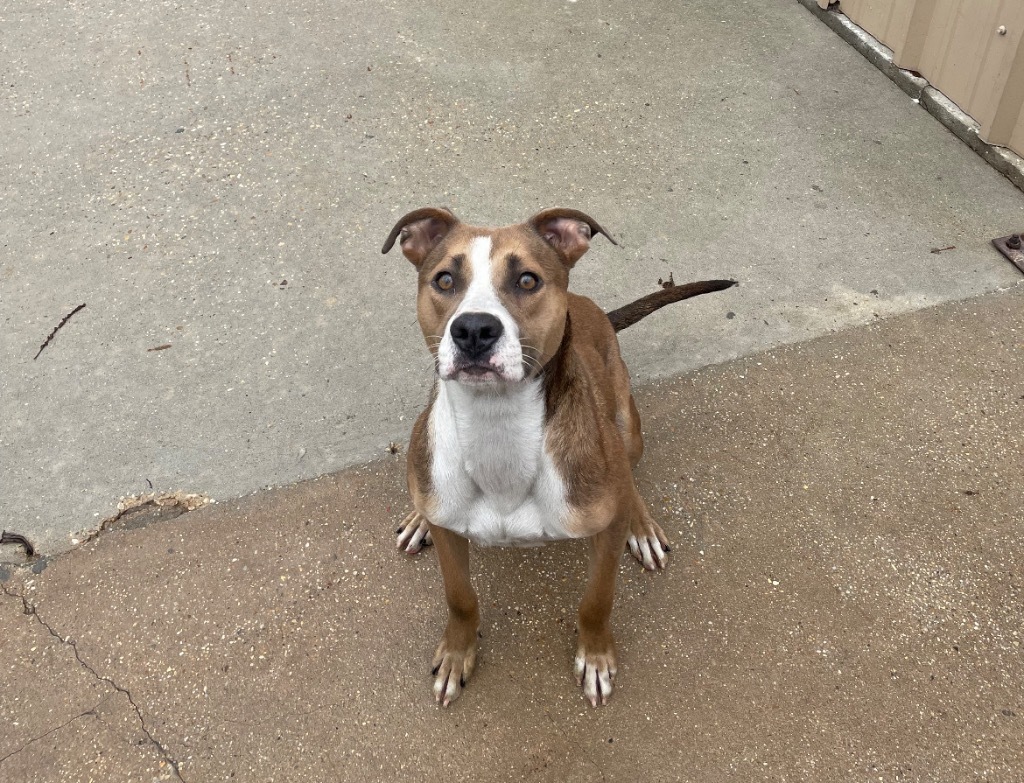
420,231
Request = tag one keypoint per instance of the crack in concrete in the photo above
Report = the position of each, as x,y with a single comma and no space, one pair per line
91,712
30,610
167,505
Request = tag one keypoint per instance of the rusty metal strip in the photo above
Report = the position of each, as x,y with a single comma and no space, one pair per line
1013,248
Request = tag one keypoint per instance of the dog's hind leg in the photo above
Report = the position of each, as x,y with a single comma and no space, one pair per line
414,533
628,420
647,541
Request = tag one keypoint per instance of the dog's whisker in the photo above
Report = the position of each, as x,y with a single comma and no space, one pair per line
531,352
531,359
533,365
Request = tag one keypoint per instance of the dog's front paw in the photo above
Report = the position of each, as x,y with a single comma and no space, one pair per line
451,669
595,672
414,533
648,543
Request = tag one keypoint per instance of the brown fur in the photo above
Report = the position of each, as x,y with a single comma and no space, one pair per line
591,422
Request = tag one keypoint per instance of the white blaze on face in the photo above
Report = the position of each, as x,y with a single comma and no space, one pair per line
481,297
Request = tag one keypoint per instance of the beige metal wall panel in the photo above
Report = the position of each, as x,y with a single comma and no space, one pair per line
1006,126
970,50
917,15
886,20
966,58
962,51
1016,142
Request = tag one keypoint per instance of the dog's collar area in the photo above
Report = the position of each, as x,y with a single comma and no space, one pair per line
562,348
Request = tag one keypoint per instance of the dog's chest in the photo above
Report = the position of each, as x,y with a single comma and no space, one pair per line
494,481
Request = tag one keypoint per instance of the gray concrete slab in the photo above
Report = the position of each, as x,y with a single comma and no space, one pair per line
218,176
842,603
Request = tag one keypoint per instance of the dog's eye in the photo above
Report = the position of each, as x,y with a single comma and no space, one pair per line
445,281
527,281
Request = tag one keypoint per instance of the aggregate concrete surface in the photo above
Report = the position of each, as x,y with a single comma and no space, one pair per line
843,602
218,176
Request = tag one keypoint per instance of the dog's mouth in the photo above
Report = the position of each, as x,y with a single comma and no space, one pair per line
476,373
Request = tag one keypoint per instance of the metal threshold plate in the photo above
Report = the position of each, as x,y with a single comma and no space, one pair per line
1013,248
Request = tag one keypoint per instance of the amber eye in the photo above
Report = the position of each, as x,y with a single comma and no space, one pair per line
444,281
527,281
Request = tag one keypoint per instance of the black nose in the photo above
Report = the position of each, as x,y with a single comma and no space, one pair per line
476,333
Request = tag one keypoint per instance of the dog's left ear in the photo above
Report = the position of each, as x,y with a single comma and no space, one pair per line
420,231
568,231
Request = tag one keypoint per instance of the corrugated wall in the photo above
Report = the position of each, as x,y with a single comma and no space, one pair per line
970,50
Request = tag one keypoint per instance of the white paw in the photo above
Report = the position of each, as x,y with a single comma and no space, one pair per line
649,550
414,533
596,674
451,671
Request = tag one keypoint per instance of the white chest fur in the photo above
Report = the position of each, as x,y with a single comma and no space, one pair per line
493,480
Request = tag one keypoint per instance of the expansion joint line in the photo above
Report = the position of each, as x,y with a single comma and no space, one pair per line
30,610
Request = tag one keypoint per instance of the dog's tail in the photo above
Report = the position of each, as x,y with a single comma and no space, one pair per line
627,315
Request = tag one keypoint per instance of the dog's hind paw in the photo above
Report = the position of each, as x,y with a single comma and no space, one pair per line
414,533
648,543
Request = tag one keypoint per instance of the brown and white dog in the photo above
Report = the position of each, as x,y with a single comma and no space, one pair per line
531,432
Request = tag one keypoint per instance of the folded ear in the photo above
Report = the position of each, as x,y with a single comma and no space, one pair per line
568,231
420,231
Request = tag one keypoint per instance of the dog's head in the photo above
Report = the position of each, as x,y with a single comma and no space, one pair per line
492,302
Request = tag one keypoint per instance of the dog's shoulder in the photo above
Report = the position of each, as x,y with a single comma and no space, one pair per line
591,329
587,318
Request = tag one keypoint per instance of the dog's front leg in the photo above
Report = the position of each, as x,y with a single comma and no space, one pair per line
456,654
595,656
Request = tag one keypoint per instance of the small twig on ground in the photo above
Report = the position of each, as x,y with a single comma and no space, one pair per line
57,328
937,250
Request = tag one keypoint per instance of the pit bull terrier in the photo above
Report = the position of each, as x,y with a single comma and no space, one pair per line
530,433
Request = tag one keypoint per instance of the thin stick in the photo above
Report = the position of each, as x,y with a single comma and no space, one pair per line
17,538
57,328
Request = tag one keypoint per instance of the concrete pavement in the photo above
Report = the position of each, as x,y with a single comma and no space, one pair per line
844,598
217,177
843,602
